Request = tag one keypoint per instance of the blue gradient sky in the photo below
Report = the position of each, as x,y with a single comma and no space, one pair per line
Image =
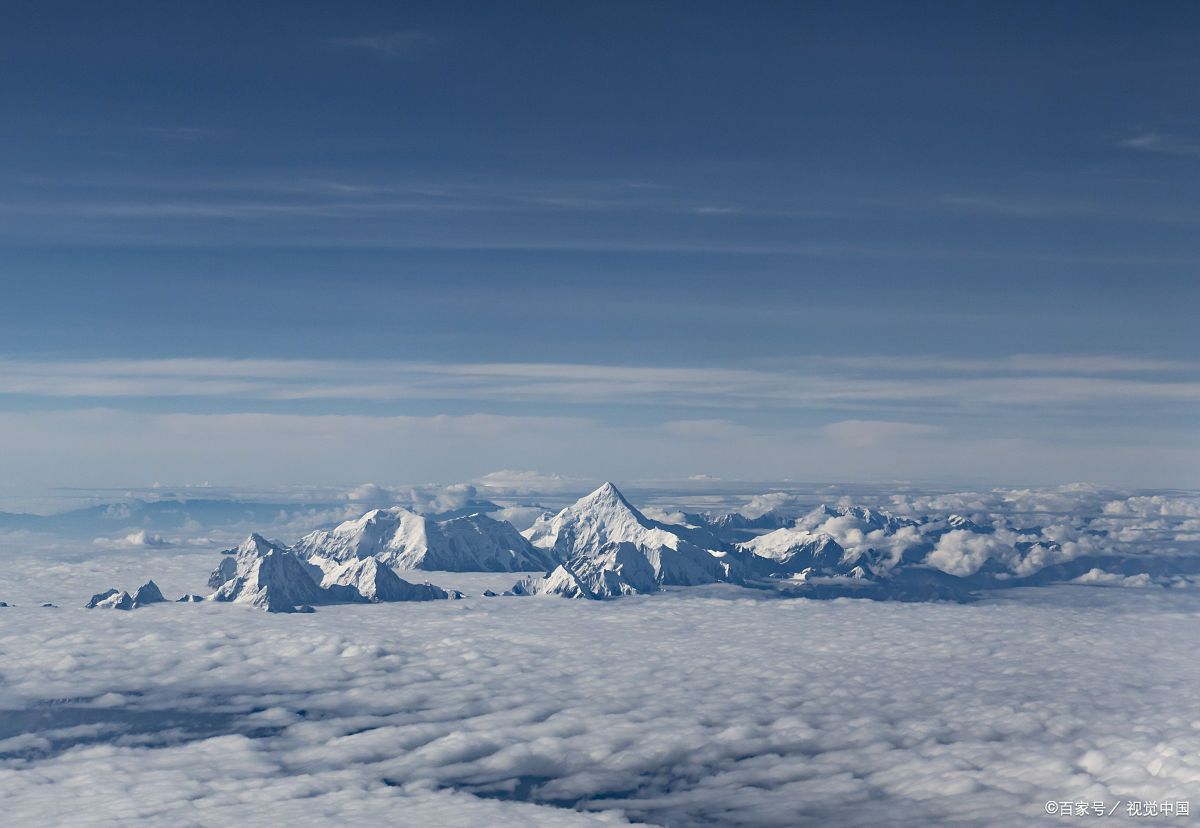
297,242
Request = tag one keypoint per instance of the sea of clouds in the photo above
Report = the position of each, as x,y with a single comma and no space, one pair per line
697,707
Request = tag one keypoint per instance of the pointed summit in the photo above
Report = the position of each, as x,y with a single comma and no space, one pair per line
274,579
148,593
588,534
607,494
594,520
256,544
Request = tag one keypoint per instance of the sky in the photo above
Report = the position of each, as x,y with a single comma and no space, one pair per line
298,243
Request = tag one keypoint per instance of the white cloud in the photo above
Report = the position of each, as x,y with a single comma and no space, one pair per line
963,553
1162,505
370,494
863,382
969,711
1099,577
516,482
135,539
521,517
770,501
1160,142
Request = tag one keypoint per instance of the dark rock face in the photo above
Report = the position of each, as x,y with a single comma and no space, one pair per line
148,593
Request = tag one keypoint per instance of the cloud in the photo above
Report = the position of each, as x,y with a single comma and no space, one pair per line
1150,505
522,517
1160,142
1098,577
866,433
771,501
427,498
140,538
441,498
390,45
370,494
858,383
963,553
486,711
512,481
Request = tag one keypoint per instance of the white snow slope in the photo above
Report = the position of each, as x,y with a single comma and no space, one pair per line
406,540
609,548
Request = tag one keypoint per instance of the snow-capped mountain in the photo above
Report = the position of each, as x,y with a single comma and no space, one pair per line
609,548
111,599
734,527
225,570
147,593
866,518
272,578
253,546
603,517
965,523
278,579
375,581
797,550
406,540
624,568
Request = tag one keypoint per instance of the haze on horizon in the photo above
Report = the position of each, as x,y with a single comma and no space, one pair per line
353,243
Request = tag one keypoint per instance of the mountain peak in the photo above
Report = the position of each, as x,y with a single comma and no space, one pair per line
256,545
606,494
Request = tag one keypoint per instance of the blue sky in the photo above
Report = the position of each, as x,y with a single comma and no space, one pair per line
297,243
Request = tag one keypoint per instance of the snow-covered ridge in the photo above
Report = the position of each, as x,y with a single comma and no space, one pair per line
406,540
271,577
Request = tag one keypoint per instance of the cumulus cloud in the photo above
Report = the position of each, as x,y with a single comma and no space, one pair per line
1099,577
441,498
370,494
963,553
140,538
770,501
1162,505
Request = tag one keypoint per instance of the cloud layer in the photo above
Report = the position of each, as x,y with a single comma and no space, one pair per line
940,713
711,705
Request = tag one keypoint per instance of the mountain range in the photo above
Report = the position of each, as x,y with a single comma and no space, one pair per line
603,547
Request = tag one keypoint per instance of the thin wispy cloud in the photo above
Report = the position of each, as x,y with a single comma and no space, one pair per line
863,383
1161,142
